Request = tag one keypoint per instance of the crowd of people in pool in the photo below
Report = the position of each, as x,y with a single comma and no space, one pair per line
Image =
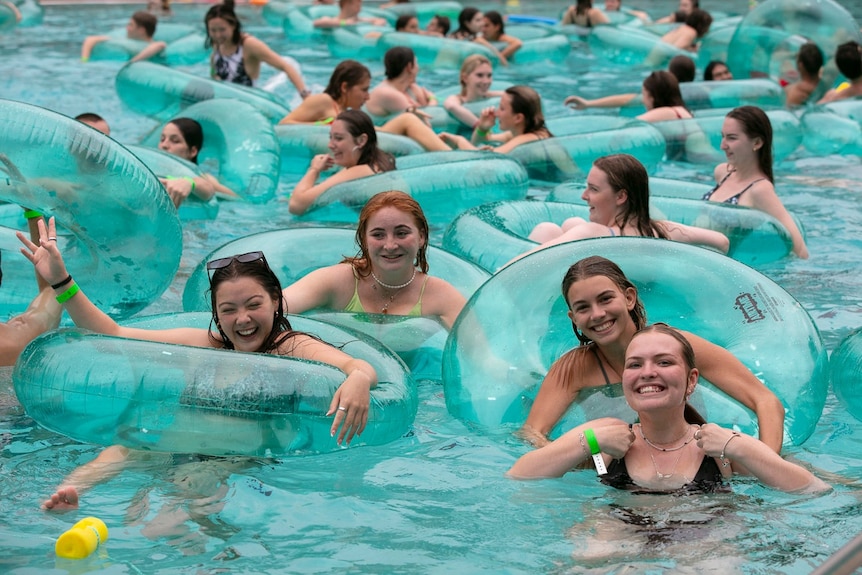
670,448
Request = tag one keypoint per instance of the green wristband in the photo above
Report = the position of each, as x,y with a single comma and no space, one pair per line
191,181
67,295
592,441
31,214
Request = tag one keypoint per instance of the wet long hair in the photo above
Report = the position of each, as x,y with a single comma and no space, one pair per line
192,133
691,414
755,123
664,88
260,272
598,266
401,202
527,101
226,13
348,72
625,172
359,123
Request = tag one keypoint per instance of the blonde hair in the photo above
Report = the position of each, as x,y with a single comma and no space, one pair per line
471,63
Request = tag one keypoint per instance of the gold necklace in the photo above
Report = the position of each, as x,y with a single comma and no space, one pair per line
661,475
385,308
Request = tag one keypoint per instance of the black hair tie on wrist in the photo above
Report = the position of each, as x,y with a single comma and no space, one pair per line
62,283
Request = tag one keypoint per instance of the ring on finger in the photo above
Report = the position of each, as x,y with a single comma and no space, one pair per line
342,408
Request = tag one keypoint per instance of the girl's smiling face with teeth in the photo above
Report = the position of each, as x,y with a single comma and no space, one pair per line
393,239
656,371
599,308
245,312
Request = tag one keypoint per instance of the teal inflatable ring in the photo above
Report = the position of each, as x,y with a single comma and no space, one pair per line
444,183
165,165
164,93
241,141
109,205
492,234
174,398
690,288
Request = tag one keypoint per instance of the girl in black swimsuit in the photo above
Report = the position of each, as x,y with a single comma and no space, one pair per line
672,449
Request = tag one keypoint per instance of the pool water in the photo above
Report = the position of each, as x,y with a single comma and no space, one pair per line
435,501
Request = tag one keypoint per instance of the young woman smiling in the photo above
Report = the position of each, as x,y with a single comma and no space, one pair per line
389,275
476,76
353,147
606,313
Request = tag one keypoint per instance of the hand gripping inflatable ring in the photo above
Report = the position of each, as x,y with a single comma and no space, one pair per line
165,165
173,398
491,375
444,183
243,143
112,206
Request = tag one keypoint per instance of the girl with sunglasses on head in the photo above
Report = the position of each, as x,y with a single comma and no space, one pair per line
249,315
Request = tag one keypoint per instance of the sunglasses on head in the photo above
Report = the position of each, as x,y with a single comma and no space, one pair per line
245,258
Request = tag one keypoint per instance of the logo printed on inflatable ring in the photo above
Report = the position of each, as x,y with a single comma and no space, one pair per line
746,303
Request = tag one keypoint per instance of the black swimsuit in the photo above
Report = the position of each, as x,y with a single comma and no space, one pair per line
734,200
708,479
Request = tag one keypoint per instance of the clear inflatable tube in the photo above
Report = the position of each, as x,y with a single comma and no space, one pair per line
163,93
298,22
185,45
433,51
705,97
242,142
769,36
732,305
492,234
110,206
561,158
834,128
449,184
846,368
631,47
301,142
174,398
426,10
165,165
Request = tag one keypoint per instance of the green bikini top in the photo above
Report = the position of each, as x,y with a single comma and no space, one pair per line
355,305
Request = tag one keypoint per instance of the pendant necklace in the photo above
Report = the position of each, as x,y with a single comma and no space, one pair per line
658,473
661,475
397,288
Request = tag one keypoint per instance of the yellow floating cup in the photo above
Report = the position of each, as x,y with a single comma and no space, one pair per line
82,539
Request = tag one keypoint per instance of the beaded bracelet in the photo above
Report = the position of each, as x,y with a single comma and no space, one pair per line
67,295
